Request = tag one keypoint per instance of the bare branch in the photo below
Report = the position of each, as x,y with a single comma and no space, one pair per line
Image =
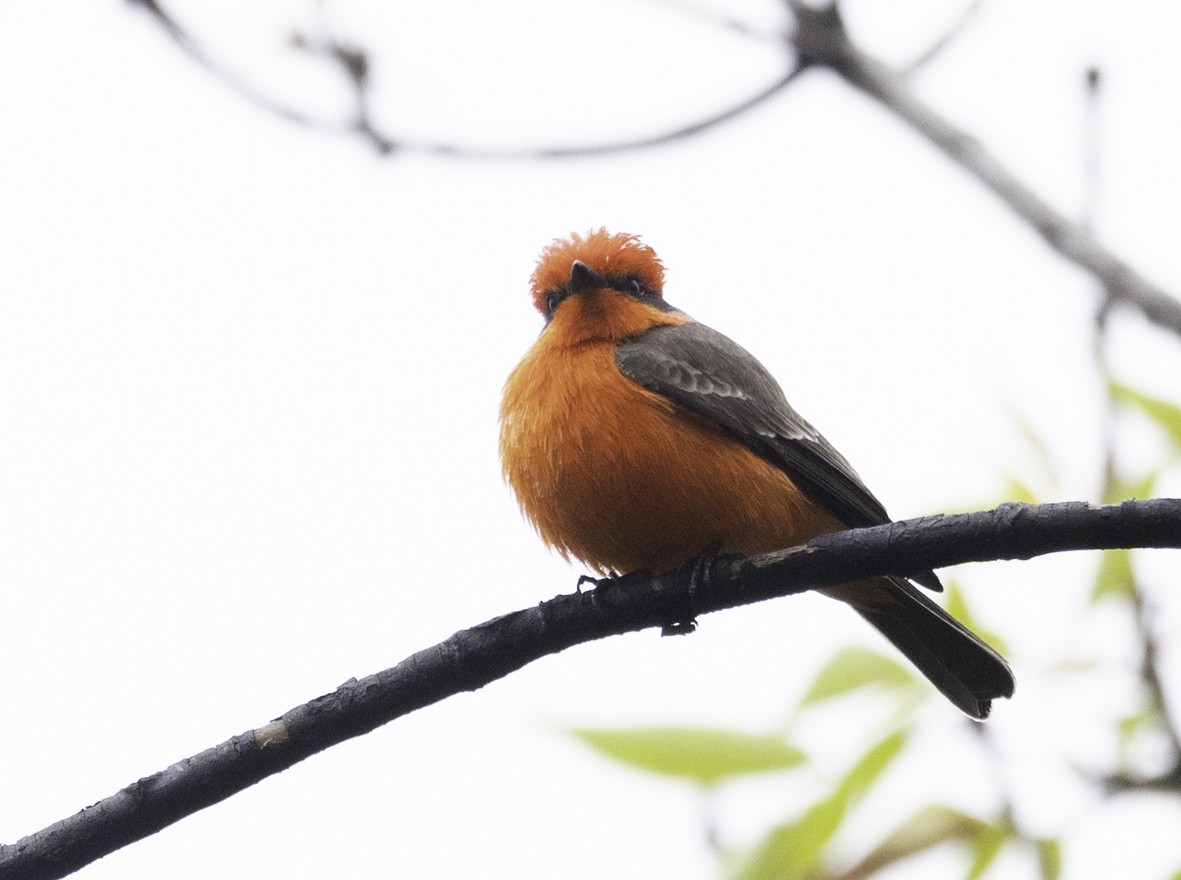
1168,782
1150,672
475,657
354,63
1150,675
1092,141
355,66
821,39
675,134
189,45
723,21
949,37
622,146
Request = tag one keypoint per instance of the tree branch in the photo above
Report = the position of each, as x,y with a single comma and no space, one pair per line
189,46
1149,644
821,39
950,35
475,657
353,62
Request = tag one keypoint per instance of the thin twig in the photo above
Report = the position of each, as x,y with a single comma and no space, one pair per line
1092,145
189,45
475,657
353,62
949,36
723,21
676,134
1150,675
1150,672
821,39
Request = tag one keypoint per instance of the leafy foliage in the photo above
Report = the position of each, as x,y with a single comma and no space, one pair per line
794,849
1165,414
853,668
701,754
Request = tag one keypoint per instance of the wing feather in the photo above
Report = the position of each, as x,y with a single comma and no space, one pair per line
712,376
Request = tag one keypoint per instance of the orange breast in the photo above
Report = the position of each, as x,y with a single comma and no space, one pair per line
621,478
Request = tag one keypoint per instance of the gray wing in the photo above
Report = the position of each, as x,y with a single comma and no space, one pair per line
712,376
707,374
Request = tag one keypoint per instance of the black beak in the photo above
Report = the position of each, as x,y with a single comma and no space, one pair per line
583,278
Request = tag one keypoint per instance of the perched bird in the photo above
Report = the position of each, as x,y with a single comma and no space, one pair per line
635,438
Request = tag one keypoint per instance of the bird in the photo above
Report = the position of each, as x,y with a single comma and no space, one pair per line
636,438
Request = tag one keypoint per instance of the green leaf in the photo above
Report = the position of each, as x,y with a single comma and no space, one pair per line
792,851
1166,414
1049,859
866,771
702,754
985,848
852,668
927,828
1114,577
1131,727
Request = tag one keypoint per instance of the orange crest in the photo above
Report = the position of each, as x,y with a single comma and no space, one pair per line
615,257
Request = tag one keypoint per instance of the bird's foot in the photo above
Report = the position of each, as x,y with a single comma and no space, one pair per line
698,571
589,579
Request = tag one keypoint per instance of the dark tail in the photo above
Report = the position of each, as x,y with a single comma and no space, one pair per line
966,670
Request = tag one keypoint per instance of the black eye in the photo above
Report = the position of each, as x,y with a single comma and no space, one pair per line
551,301
635,287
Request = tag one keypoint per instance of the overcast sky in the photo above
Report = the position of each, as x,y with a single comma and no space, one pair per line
249,376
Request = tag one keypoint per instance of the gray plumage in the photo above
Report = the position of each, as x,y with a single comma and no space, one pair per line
710,375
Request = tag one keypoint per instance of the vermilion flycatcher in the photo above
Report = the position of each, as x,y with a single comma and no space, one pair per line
636,438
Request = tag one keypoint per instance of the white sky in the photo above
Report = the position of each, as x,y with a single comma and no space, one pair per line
249,378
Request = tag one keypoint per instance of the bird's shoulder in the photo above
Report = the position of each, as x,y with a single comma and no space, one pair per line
710,375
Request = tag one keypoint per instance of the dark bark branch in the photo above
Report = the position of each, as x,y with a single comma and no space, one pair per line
821,39
1168,782
475,657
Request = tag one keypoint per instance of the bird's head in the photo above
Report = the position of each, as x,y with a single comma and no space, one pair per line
595,263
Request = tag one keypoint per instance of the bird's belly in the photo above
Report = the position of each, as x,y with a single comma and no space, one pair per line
623,479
